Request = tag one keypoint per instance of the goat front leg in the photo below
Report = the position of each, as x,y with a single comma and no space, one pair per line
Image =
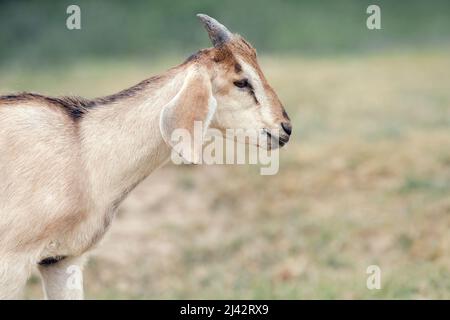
63,279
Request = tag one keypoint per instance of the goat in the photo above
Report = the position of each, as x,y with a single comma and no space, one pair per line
67,163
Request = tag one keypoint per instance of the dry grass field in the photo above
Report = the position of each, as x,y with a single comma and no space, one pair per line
365,180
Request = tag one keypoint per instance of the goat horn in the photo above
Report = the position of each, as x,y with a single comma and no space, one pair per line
217,32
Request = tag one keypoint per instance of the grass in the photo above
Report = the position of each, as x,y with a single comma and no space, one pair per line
365,180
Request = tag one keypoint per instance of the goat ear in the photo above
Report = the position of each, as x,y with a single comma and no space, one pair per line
189,112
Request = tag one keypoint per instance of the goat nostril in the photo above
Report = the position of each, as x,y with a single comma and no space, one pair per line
287,127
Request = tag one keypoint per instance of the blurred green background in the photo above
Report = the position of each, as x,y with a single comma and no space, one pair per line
33,32
364,180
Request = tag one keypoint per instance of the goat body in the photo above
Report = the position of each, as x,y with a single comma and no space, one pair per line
66,164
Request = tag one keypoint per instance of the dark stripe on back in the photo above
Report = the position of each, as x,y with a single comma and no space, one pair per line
76,107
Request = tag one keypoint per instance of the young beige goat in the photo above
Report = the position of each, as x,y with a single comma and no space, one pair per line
67,163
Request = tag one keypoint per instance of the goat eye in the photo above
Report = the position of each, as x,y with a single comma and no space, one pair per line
241,83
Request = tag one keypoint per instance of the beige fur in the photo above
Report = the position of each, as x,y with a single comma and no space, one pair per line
62,179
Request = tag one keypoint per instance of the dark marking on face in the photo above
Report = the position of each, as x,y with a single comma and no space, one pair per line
286,115
244,84
51,260
252,92
237,67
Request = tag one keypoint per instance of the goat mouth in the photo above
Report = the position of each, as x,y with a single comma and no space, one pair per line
275,141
